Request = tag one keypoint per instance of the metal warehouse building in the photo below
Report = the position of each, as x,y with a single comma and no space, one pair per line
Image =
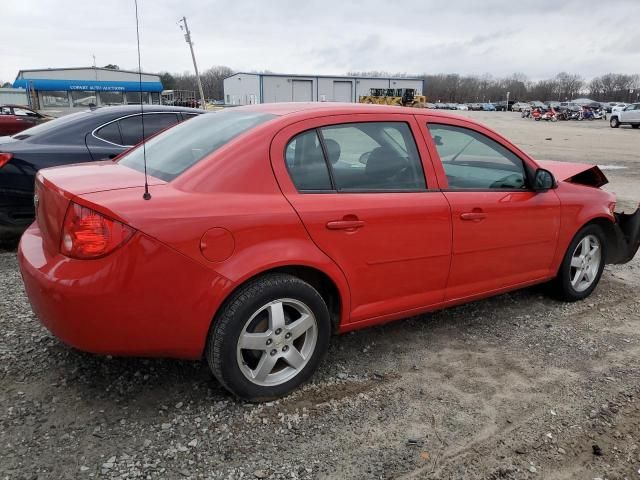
248,88
69,88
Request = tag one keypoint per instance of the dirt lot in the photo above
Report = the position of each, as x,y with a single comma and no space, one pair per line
518,386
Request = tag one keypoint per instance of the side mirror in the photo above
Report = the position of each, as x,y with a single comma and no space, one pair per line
543,180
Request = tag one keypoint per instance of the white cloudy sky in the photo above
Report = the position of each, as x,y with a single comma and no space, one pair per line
535,37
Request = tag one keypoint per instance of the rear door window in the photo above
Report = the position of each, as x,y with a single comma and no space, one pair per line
306,162
373,156
110,133
131,127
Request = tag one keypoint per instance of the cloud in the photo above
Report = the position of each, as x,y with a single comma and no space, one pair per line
539,38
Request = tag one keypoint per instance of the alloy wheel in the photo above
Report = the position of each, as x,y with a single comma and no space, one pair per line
277,342
585,263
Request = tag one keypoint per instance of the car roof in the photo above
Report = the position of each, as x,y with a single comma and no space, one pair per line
333,108
120,109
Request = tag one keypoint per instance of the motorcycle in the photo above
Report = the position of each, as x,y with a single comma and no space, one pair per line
536,114
586,114
599,114
550,115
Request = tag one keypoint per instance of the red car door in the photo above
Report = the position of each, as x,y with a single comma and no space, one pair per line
504,234
361,188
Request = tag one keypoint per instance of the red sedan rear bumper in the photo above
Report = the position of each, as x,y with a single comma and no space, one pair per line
144,299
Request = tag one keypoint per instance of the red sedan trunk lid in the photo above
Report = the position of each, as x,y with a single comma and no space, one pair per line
56,187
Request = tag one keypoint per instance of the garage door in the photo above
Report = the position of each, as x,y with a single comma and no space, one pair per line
342,92
302,91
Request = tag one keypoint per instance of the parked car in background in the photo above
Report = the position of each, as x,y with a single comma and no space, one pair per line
16,118
462,106
619,106
475,106
503,105
551,104
80,137
430,105
272,226
520,106
630,115
607,106
488,107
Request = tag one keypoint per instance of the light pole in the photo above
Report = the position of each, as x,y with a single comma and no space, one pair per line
187,37
506,108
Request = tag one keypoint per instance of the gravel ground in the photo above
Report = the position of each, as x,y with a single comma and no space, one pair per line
517,386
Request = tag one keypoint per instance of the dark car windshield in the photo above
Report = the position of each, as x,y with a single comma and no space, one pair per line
51,125
172,152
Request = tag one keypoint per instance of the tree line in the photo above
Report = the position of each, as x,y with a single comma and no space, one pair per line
211,81
453,87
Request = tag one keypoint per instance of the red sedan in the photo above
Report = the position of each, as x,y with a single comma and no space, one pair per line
270,227
16,118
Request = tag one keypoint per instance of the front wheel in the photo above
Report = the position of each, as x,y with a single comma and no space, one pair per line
582,265
269,337
636,125
614,122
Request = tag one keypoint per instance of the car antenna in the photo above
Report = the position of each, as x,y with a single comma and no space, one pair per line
146,195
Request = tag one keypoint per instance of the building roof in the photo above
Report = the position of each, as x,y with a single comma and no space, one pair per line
81,68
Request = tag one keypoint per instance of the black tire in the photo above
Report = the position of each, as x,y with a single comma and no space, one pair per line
231,320
636,125
561,286
614,122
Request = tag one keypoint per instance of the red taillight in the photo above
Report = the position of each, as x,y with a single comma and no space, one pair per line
4,158
89,234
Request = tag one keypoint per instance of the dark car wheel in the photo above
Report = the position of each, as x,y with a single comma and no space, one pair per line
582,265
636,125
269,337
614,122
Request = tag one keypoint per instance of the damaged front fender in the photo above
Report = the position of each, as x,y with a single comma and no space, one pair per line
626,241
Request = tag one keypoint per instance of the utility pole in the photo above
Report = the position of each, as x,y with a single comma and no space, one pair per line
187,37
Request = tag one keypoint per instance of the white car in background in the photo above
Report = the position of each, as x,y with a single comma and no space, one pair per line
619,107
462,106
630,115
520,106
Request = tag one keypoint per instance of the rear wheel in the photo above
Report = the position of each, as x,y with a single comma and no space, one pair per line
582,265
614,122
635,125
269,337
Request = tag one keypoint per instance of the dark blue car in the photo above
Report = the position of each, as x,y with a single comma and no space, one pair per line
96,134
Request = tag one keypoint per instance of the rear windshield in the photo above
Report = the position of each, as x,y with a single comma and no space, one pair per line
172,152
50,125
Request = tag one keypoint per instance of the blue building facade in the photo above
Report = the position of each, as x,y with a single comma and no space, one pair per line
78,88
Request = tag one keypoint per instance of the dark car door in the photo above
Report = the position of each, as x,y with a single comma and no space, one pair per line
114,137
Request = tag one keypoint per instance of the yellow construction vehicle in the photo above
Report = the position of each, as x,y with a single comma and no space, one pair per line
405,97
